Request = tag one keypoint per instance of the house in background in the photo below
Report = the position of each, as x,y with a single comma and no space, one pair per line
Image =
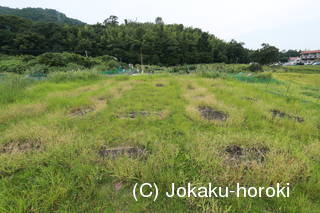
310,56
294,60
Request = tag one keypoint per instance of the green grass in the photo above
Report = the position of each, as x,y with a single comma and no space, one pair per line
12,88
305,69
66,174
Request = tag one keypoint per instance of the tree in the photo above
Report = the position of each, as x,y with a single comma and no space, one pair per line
112,20
266,55
159,20
204,48
30,42
236,53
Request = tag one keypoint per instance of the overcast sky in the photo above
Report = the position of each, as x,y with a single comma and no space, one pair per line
288,24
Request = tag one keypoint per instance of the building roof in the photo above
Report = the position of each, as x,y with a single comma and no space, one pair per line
310,52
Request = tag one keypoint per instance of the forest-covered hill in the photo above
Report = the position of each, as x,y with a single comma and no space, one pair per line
41,15
133,42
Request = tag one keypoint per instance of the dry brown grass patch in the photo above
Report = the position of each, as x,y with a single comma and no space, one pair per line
278,113
210,113
81,111
20,110
122,87
235,154
21,146
143,113
130,151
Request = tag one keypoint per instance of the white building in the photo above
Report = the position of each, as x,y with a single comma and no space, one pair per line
310,56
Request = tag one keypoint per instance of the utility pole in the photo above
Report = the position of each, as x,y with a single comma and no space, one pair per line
141,55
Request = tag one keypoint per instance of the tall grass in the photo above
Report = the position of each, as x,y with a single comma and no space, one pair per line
12,87
74,76
213,74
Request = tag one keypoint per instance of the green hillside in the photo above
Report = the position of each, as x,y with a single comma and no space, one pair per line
41,15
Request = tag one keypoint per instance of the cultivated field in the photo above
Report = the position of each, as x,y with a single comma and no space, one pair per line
79,144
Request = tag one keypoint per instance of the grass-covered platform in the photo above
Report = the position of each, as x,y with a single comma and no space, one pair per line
79,143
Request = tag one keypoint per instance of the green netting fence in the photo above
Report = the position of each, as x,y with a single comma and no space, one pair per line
113,72
253,78
37,76
119,71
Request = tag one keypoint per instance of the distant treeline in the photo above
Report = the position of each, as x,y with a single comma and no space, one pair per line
132,42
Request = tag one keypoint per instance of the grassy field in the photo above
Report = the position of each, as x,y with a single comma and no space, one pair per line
56,137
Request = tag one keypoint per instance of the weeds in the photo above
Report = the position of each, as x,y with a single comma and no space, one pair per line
73,76
12,88
78,141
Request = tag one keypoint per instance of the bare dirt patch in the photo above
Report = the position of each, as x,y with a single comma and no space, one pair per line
20,146
236,154
131,151
250,99
102,98
278,113
210,113
160,85
135,114
81,111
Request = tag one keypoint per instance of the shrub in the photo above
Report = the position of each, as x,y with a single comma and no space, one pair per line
255,67
106,58
192,67
63,59
39,69
113,64
52,59
87,62
99,68
27,58
14,68
74,67
179,69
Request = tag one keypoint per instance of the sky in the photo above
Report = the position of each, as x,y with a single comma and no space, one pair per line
287,24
